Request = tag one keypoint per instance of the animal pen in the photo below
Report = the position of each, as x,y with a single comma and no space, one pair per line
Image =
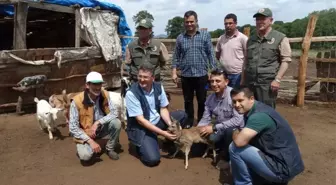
47,47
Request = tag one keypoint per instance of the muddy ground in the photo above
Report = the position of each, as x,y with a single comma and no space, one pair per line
27,156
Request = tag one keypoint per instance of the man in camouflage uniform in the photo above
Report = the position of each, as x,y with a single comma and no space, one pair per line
145,50
268,57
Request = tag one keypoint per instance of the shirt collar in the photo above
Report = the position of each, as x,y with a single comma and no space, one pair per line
224,95
197,32
252,109
235,34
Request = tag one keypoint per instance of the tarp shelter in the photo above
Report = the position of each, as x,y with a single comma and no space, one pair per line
123,28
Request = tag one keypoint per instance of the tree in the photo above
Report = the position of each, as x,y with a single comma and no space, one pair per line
216,33
143,14
175,27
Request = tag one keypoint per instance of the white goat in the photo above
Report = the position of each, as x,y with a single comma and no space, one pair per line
46,116
118,98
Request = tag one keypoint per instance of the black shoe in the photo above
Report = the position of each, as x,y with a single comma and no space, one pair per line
112,154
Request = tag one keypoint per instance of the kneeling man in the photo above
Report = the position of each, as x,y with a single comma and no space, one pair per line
93,116
148,116
219,106
265,151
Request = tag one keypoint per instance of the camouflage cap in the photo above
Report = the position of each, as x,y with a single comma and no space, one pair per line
146,23
264,12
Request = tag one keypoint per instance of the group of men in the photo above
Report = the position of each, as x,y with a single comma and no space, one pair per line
239,116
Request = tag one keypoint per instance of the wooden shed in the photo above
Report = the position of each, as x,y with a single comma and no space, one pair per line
26,53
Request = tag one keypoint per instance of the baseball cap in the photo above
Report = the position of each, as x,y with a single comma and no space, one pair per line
264,12
94,77
146,23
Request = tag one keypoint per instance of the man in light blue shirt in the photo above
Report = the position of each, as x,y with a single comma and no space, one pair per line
148,116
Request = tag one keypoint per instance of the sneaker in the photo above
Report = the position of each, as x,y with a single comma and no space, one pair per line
112,154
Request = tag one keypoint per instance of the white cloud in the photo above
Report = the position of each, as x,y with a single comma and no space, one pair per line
211,12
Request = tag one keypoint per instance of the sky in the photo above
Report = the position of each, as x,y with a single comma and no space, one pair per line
211,13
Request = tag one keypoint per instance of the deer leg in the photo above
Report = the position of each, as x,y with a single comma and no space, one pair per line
214,155
174,154
206,151
187,150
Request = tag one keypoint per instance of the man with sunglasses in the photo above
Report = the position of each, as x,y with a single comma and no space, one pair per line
231,50
219,106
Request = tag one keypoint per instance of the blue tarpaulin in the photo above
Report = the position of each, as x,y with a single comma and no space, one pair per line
123,28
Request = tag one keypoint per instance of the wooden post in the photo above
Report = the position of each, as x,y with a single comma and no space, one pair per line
78,28
20,25
303,60
247,31
19,106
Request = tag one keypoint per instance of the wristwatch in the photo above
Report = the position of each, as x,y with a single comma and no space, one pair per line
277,80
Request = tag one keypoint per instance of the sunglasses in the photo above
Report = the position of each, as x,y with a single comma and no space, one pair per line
218,70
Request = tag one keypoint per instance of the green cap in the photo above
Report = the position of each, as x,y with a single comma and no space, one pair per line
146,23
264,12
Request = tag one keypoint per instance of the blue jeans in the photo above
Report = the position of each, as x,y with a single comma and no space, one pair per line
149,151
234,80
246,164
222,141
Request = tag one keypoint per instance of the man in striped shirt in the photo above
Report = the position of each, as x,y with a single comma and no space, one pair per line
193,53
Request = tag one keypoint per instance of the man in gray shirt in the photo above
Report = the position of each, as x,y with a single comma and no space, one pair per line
219,105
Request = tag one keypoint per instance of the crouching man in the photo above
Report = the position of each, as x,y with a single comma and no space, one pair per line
92,117
219,105
148,116
265,151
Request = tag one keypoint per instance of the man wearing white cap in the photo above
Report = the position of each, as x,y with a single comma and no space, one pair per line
93,116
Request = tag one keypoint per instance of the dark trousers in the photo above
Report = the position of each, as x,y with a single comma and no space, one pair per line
189,86
149,151
264,93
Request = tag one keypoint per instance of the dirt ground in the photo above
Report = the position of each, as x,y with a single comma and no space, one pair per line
27,156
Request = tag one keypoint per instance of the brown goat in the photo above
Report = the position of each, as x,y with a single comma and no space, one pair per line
62,101
186,138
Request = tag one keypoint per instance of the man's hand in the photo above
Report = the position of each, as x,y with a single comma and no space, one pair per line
275,86
93,129
169,135
174,77
206,130
235,134
95,146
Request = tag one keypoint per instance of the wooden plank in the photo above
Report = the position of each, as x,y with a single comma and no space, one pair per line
303,60
330,80
20,25
5,2
47,6
78,29
328,60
